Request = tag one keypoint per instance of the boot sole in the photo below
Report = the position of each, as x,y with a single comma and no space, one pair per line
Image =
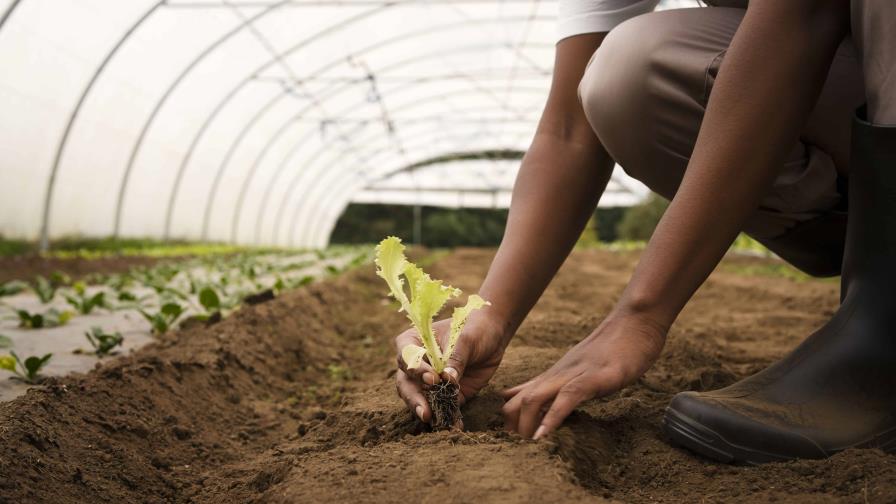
688,433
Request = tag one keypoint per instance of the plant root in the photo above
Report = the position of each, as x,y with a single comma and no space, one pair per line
444,406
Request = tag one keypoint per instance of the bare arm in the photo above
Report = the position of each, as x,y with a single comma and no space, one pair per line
561,178
768,83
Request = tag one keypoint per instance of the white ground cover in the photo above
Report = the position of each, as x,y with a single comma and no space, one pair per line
231,278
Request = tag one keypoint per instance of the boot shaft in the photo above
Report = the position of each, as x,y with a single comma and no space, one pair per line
870,254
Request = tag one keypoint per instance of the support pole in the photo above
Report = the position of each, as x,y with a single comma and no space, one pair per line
418,225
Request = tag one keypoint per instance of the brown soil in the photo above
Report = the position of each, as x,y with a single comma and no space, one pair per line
292,401
29,266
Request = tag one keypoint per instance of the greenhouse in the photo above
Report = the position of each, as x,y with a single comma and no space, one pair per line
257,122
487,251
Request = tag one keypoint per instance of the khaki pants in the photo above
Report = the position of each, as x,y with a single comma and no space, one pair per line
645,92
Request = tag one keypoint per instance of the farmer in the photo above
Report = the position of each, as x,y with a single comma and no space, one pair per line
749,118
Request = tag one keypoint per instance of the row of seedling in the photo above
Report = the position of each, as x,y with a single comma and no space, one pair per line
219,284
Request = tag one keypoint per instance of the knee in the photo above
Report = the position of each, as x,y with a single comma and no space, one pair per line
621,87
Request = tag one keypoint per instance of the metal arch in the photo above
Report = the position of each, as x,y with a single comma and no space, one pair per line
51,181
294,182
311,232
379,44
138,144
12,7
314,184
250,174
316,211
266,198
328,216
236,89
309,208
226,100
253,169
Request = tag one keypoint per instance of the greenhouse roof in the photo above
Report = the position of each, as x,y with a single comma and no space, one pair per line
257,122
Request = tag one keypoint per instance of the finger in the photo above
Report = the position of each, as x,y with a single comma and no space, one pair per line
424,372
532,406
570,396
511,412
512,391
457,362
411,393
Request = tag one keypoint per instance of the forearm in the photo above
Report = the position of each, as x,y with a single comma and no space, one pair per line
768,83
561,178
555,194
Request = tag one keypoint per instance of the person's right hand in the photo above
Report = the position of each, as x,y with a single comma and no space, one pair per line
476,357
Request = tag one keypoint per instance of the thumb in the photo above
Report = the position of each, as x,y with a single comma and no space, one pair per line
457,362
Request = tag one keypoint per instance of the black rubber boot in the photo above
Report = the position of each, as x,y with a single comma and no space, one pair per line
837,390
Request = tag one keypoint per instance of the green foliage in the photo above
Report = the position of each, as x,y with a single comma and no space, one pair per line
44,289
209,300
103,342
339,372
589,238
28,371
9,247
5,342
84,303
12,287
164,319
640,220
441,227
50,318
424,299
607,220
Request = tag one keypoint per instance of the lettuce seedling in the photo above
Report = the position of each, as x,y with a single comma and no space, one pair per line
50,318
165,318
12,287
103,342
84,303
44,289
424,299
26,371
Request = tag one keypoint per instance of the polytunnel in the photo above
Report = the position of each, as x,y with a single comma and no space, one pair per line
259,121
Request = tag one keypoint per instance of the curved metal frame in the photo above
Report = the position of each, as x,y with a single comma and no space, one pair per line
311,134
246,22
318,180
340,192
8,13
315,181
336,89
160,103
51,181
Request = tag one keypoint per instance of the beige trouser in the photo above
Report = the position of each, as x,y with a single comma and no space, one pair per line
645,92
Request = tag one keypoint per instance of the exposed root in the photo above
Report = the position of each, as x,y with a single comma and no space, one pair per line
443,403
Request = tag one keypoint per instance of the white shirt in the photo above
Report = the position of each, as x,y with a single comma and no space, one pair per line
576,17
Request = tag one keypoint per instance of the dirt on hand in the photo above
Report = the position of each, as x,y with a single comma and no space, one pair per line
293,400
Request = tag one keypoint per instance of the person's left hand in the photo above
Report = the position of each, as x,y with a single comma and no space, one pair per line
615,355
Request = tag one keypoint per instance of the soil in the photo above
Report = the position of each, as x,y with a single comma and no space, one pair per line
29,266
292,400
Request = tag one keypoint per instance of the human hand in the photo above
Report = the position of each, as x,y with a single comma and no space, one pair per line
474,361
615,355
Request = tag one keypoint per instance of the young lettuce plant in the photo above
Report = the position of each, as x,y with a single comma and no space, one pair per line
424,299
102,342
165,318
84,303
50,318
27,371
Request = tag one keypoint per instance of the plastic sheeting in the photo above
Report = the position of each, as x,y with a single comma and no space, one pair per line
258,121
